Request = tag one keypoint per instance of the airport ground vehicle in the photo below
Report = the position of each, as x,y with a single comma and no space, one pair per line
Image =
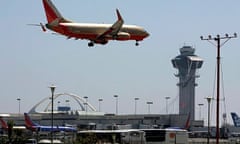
166,136
129,136
31,141
47,141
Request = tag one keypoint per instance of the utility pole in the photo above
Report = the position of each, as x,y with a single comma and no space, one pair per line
218,39
149,103
167,98
19,106
209,103
99,104
52,87
116,96
200,110
135,108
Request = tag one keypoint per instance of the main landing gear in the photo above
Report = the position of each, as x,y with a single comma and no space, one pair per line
136,44
91,44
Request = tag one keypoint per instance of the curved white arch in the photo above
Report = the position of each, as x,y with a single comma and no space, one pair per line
77,98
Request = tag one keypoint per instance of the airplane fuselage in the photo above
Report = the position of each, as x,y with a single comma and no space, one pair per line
55,128
91,31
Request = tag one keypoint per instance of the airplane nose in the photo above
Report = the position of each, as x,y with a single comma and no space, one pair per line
146,34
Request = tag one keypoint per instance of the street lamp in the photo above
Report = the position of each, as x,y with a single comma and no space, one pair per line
67,102
58,105
200,105
149,103
167,98
209,103
86,103
99,104
135,110
19,106
116,96
52,87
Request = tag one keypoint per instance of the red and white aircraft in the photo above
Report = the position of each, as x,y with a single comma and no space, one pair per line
96,33
5,125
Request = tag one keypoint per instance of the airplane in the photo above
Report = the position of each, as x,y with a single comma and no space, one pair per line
236,119
95,33
5,125
36,127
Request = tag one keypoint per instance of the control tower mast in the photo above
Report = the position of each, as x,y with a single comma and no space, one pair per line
187,63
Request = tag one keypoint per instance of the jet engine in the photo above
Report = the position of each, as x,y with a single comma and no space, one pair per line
123,36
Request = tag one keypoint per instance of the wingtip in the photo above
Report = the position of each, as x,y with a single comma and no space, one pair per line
118,15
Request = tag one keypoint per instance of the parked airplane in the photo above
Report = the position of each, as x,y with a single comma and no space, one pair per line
236,119
36,127
96,33
5,125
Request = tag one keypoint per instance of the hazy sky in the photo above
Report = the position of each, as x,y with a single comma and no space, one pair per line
31,60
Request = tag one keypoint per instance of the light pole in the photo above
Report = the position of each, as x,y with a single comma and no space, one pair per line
219,44
67,102
167,98
99,104
200,105
149,103
86,104
209,103
52,87
19,106
135,109
58,107
116,96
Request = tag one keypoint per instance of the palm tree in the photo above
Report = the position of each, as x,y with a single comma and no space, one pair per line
10,124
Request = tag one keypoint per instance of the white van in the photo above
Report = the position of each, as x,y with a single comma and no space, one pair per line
47,141
31,141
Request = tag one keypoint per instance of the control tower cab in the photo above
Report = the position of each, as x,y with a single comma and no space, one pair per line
187,63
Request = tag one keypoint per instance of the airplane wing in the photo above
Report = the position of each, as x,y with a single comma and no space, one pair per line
114,29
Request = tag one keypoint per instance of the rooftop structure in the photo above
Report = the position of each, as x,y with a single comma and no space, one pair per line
82,106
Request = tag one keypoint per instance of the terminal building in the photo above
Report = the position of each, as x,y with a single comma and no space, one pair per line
87,117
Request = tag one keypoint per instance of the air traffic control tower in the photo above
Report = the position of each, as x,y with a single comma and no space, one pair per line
187,63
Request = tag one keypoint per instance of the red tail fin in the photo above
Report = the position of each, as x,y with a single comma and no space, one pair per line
187,124
28,122
51,11
3,123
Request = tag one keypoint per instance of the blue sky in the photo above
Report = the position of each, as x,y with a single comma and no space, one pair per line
31,60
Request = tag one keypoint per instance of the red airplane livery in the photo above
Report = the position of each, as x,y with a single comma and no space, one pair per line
95,33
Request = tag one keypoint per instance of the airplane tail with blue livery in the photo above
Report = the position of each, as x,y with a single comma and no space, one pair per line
36,127
236,119
29,123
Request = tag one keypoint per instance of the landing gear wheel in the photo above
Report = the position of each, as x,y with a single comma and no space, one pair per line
90,44
137,44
